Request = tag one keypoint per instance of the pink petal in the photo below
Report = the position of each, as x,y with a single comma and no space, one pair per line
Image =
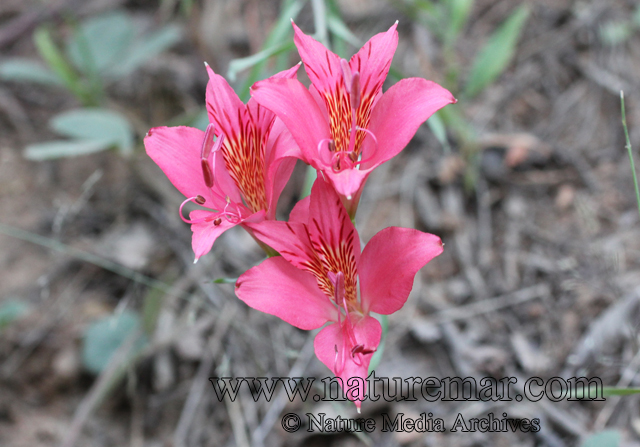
224,185
290,239
330,226
280,159
300,212
225,109
205,233
322,66
278,176
388,264
278,288
367,332
374,59
176,150
398,114
297,109
349,182
262,118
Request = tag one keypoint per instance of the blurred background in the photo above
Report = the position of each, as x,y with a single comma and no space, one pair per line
108,332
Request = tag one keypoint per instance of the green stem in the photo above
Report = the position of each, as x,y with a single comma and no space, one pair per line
628,146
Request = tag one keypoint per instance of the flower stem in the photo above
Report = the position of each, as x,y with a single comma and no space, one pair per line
628,146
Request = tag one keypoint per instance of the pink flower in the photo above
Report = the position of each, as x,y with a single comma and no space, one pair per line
315,281
344,125
238,176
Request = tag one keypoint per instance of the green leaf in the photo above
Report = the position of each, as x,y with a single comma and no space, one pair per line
103,338
613,391
497,53
57,62
225,280
341,30
280,33
50,150
101,42
606,438
12,310
95,124
27,70
438,128
459,11
238,65
145,49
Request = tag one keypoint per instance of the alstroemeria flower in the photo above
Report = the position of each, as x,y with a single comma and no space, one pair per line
344,125
315,281
238,176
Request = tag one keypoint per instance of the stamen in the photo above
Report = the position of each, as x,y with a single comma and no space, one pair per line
355,91
213,217
207,173
191,222
375,140
331,146
200,200
346,74
207,144
338,287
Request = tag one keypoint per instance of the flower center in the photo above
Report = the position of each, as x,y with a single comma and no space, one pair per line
349,116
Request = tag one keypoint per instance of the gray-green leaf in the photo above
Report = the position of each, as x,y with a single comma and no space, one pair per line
103,338
145,49
50,150
606,438
101,42
95,124
27,70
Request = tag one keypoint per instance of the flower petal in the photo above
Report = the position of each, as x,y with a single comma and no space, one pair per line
330,226
295,106
176,150
300,212
278,288
388,264
322,66
205,233
334,347
224,107
398,114
290,239
374,59
348,182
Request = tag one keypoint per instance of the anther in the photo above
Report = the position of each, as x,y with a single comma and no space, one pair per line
217,222
200,200
207,172
353,156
